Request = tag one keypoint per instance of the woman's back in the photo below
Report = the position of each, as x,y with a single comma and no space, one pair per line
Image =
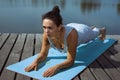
85,33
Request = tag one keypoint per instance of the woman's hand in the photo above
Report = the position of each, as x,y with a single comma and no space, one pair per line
33,66
51,71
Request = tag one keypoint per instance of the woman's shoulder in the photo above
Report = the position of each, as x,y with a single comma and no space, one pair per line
72,37
72,34
45,38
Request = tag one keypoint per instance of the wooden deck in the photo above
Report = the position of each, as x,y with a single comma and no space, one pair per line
16,47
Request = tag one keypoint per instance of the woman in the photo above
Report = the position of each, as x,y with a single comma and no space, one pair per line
62,38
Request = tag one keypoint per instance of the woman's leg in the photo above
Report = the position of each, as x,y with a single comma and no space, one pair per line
101,32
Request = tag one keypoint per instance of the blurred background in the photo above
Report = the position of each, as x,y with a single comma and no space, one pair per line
24,16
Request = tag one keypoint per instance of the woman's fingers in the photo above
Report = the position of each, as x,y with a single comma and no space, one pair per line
29,68
50,72
35,68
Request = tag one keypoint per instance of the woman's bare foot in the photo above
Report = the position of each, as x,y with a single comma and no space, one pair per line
102,33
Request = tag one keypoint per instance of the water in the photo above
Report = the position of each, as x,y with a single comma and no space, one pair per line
24,16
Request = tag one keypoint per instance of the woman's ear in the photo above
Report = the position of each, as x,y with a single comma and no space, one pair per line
60,27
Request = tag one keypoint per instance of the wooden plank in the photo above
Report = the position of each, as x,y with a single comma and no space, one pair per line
115,51
98,72
76,78
86,75
29,46
14,57
4,52
27,52
38,43
113,60
3,39
109,68
117,37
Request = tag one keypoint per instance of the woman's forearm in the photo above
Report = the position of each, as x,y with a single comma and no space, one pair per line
40,58
65,64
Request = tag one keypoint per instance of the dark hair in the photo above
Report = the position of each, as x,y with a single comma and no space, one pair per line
53,15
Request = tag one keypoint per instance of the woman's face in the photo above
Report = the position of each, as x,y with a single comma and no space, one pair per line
50,28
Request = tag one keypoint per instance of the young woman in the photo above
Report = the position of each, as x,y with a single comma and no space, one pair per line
62,38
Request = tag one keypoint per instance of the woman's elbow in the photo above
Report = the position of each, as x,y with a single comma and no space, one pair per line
71,62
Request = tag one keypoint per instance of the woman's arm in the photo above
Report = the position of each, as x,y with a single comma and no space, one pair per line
72,44
41,56
44,49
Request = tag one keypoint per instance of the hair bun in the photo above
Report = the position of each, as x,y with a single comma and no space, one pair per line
56,9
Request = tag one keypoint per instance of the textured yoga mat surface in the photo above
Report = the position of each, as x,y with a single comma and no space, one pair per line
86,54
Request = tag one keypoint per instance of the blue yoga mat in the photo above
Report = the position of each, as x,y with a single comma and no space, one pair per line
86,54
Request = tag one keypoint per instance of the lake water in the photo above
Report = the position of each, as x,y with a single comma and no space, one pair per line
24,16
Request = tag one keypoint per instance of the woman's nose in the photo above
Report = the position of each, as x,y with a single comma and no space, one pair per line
46,30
